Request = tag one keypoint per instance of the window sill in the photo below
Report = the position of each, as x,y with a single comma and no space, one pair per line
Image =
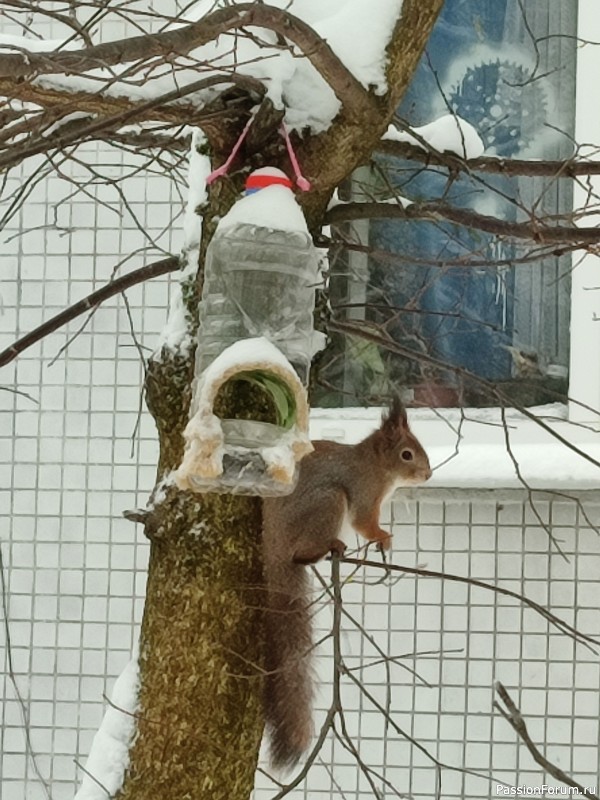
468,447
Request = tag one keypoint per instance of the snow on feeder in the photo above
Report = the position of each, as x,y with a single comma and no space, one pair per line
242,456
256,324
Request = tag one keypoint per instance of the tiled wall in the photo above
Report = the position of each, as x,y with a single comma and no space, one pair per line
452,641
73,603
76,449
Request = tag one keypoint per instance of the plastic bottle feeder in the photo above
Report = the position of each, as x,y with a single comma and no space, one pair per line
256,324
240,456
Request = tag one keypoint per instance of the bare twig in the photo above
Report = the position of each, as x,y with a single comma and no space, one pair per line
88,303
523,482
561,625
86,771
367,333
13,679
517,167
513,716
538,230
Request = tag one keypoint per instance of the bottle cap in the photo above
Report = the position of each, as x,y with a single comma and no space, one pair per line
266,176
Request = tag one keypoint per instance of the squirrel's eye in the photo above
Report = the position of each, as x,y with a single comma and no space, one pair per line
407,455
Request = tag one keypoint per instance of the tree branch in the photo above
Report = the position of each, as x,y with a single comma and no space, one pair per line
80,130
365,332
513,716
104,104
92,301
568,168
552,619
438,211
466,262
417,19
181,41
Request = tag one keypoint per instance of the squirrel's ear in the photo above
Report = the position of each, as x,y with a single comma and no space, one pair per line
395,421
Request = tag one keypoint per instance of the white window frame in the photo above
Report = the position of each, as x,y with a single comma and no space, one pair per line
584,368
468,448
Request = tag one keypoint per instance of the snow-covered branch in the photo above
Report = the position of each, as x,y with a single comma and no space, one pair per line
183,40
567,168
97,126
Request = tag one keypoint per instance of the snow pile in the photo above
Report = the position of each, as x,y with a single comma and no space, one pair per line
272,207
15,44
175,334
447,134
204,465
357,31
109,754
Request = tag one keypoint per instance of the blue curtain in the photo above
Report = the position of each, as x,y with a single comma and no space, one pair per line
480,65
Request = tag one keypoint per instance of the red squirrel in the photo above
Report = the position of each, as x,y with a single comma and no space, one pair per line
337,483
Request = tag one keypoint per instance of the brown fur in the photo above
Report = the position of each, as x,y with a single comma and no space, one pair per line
303,527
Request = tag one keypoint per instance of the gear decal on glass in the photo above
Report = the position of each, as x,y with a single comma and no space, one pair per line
504,102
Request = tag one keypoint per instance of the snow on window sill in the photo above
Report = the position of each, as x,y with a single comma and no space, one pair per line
468,448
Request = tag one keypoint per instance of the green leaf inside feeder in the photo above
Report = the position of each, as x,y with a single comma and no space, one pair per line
279,392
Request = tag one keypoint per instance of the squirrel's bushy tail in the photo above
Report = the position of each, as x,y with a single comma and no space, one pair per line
288,683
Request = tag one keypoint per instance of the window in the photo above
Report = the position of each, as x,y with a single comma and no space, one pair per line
473,303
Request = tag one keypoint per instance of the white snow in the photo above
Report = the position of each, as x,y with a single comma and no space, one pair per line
357,31
244,353
159,493
448,133
64,121
175,334
206,443
13,44
272,207
109,754
198,171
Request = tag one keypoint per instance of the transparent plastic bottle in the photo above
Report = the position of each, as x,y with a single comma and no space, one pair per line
260,275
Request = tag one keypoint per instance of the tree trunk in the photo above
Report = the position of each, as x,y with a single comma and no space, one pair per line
200,720
201,649
201,645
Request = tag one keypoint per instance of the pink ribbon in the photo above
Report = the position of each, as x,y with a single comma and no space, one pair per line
224,168
301,182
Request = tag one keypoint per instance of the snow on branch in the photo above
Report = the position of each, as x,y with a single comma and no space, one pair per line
182,40
95,127
521,167
447,134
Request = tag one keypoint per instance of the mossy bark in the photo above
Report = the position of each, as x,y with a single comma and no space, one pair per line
201,651
200,719
201,646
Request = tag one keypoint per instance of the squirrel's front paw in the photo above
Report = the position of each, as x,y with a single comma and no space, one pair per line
384,541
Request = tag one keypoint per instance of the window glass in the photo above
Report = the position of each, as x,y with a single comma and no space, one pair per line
483,305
